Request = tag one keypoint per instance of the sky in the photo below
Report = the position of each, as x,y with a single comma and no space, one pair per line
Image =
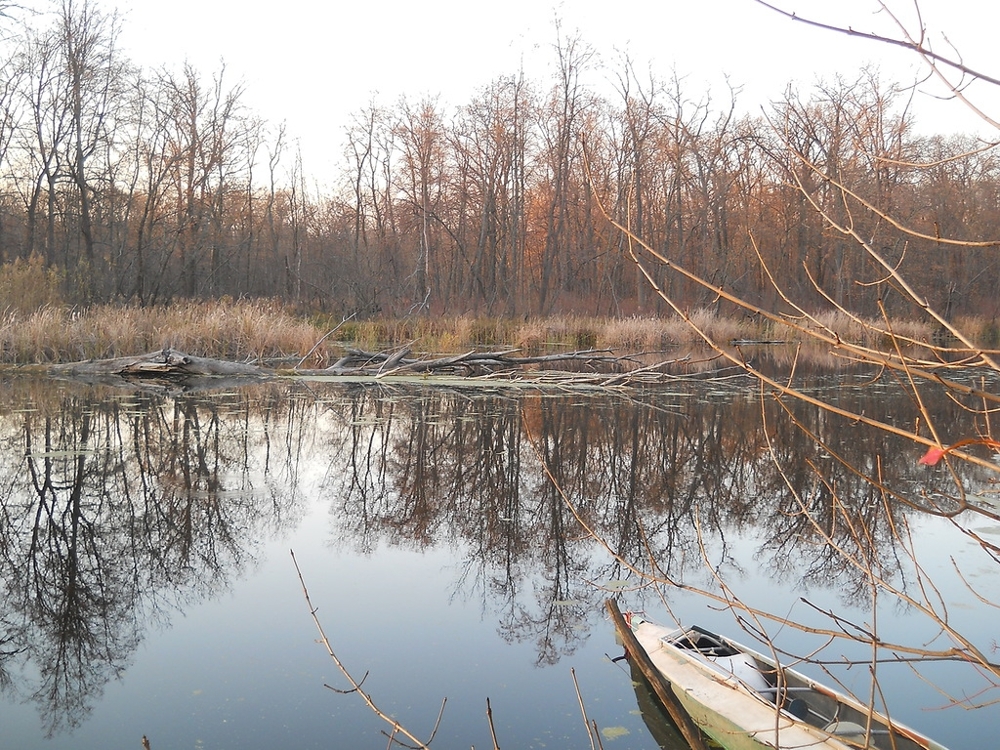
312,63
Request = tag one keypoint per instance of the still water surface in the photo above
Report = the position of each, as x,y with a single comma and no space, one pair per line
148,586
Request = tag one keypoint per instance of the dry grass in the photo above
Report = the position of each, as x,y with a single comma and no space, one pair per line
26,286
262,330
225,329
872,333
634,334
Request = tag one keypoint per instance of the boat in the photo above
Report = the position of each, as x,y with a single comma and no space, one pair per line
744,700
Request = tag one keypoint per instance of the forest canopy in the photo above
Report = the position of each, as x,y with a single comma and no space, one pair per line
123,184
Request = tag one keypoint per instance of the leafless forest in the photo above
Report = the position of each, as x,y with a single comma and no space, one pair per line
146,186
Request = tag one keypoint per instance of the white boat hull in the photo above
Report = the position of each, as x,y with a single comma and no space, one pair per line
730,700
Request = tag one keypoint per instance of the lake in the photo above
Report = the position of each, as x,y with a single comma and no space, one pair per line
459,543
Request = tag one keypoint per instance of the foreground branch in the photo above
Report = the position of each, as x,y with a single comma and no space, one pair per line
917,45
397,728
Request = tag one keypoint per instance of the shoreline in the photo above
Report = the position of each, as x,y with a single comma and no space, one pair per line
266,331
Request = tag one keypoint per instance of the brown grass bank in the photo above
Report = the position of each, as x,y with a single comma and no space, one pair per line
266,331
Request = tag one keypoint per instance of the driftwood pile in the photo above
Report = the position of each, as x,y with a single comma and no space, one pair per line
172,363
357,362
593,367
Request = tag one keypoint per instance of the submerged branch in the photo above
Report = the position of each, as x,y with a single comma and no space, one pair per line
660,686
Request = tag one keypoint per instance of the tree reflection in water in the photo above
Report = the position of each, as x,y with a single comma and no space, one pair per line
115,512
669,487
118,509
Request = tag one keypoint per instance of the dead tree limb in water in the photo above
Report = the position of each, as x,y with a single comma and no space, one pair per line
598,367
161,364
358,362
661,687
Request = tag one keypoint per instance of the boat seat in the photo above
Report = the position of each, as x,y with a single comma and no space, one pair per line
851,729
845,729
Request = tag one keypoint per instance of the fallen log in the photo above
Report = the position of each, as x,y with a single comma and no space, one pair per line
166,363
663,690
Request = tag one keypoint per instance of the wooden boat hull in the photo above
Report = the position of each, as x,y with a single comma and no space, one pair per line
744,701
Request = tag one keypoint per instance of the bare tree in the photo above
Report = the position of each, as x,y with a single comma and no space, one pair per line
203,127
490,141
371,151
11,73
561,133
42,144
88,52
421,139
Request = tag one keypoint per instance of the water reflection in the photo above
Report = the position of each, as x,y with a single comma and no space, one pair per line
117,511
661,726
655,480
120,508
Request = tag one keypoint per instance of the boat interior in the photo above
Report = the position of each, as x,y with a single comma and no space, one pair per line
795,695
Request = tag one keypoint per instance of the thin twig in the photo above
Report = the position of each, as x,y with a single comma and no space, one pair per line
489,720
397,728
583,709
325,337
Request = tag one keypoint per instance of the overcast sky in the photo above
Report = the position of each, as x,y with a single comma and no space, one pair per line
311,63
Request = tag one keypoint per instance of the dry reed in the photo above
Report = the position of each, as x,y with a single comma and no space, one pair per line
263,330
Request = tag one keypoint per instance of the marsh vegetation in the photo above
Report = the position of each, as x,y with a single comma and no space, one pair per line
270,331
